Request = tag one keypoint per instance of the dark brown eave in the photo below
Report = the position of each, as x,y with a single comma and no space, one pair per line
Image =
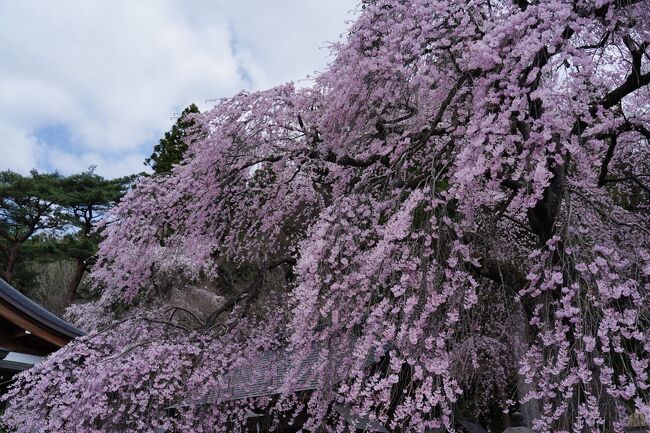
45,331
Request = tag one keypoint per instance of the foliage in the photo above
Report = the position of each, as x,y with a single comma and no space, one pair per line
87,198
27,207
49,217
169,151
460,199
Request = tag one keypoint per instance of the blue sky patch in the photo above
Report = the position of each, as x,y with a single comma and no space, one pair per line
56,136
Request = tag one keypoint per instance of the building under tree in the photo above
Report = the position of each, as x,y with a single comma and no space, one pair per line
28,332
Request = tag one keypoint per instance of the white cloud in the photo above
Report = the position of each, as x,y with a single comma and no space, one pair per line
18,151
125,163
112,72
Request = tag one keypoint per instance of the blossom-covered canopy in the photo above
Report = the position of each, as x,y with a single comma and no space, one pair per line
461,197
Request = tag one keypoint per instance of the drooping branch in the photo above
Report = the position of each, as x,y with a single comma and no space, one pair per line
636,178
607,215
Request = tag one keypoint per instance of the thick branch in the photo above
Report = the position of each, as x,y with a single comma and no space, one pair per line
613,140
634,81
250,292
613,137
348,161
541,218
602,11
521,4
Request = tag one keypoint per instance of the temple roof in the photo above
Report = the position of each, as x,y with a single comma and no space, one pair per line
29,328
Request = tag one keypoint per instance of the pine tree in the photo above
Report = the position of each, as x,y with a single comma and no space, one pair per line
169,151
27,207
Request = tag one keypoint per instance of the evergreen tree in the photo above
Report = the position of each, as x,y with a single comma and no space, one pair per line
27,207
86,199
48,217
169,151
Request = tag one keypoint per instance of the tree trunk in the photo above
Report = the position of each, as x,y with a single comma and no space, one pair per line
79,271
12,259
529,410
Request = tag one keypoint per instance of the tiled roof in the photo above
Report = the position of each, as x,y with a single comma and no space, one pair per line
267,374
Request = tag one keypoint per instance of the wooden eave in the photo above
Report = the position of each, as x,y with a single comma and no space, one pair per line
29,328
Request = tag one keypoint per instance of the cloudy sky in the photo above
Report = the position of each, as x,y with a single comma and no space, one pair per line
97,82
